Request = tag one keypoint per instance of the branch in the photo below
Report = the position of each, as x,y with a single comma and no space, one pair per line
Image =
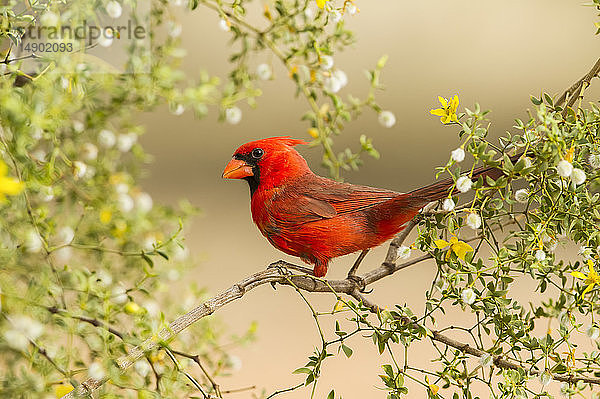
575,91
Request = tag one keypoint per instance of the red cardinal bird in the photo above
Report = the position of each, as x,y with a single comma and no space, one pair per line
315,218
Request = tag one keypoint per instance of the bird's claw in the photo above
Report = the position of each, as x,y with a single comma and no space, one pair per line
360,283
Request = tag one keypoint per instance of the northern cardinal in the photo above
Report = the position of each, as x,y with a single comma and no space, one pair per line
315,218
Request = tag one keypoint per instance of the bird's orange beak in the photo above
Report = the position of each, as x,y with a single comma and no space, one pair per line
237,169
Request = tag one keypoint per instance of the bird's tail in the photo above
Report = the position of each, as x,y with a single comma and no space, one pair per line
441,189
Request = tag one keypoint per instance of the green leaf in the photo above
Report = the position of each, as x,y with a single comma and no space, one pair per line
347,350
302,370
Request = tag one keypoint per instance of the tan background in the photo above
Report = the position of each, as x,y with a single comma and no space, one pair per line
496,53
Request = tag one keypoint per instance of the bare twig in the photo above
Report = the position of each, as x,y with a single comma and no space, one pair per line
576,90
196,359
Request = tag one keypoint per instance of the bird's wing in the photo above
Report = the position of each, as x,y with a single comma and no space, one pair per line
321,198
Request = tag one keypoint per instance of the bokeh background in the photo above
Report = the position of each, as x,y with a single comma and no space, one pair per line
491,52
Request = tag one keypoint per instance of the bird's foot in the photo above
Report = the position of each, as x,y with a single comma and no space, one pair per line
360,283
284,268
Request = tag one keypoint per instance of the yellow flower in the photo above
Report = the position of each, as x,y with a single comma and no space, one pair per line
570,154
460,248
105,216
591,279
321,3
314,133
8,185
62,389
448,110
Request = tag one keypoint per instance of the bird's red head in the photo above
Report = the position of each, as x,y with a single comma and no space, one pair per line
267,163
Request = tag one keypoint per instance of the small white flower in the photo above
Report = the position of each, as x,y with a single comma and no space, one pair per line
326,62
594,160
37,133
152,308
528,163
180,254
63,255
468,296
448,205
233,115
263,71
119,294
33,242
463,184
340,76
104,278
177,3
106,138
486,360
309,12
39,155
49,18
78,126
142,367
65,235
16,340
96,371
121,188
540,255
178,110
545,378
593,332
89,152
577,176
522,195
564,168
403,252
46,193
79,169
473,221
224,25
149,242
143,202
335,16
32,329
113,9
106,38
125,203
332,85
564,389
173,275
458,155
126,141
175,29
236,363
387,119
350,8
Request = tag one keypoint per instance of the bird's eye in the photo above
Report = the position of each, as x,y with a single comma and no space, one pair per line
257,153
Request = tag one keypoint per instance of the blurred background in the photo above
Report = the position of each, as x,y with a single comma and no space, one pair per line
494,53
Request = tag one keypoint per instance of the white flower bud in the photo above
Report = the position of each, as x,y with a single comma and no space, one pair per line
540,255
522,195
309,12
175,29
89,152
331,85
125,203
49,18
224,25
233,115
106,138
46,193
63,255
468,296
387,119
263,71
448,205
340,76
126,141
326,62
79,169
564,168
178,110
593,332
33,242
65,235
594,160
121,188
96,371
106,38
78,126
119,295
463,184
458,155
143,202
335,16
113,9
577,176
403,252
142,367
350,8
473,221
104,278
545,378
39,155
